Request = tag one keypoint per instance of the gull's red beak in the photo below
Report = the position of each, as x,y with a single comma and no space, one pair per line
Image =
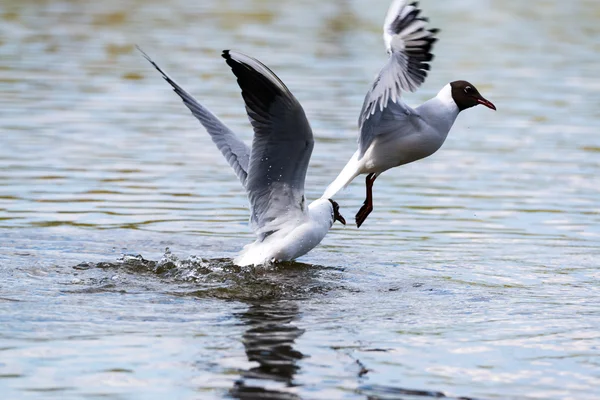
486,103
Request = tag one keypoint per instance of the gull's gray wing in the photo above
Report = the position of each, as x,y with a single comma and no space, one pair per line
409,45
235,151
281,149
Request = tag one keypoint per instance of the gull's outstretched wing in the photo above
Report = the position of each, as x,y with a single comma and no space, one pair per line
235,151
409,45
281,150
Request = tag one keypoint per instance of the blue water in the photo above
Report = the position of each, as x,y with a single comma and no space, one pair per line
476,276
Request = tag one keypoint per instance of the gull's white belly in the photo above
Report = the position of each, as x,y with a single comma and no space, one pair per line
388,151
283,246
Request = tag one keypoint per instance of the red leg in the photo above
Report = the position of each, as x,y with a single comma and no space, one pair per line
367,206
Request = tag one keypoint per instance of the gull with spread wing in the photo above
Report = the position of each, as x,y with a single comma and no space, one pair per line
274,169
391,132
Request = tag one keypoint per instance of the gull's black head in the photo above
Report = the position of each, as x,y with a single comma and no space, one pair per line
466,95
336,212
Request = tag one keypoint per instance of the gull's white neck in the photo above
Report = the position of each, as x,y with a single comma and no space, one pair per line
440,112
321,212
444,97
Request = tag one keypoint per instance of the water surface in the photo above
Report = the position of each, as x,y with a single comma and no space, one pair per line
476,276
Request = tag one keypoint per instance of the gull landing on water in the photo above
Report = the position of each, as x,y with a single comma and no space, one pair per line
274,169
391,132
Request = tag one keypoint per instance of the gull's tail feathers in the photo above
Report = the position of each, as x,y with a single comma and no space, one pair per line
350,171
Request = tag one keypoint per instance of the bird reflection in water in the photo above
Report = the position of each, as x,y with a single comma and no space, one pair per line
269,342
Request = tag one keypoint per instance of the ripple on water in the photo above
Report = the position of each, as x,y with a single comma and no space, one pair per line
476,274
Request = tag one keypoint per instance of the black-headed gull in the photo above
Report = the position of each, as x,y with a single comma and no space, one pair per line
274,169
391,132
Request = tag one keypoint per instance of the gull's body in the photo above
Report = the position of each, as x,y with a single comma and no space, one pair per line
274,169
292,241
421,134
391,132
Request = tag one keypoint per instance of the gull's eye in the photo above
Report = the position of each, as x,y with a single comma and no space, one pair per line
469,90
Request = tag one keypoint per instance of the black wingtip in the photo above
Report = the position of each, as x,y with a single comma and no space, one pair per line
146,56
226,54
258,89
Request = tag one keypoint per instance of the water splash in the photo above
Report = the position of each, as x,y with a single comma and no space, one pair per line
218,278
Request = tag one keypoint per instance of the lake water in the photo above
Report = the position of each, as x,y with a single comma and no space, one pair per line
475,277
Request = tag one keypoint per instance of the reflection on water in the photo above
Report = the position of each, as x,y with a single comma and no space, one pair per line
269,341
476,275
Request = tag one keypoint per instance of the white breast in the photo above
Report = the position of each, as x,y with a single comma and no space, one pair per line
293,241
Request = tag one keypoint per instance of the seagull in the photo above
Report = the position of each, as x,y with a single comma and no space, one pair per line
391,132
274,169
